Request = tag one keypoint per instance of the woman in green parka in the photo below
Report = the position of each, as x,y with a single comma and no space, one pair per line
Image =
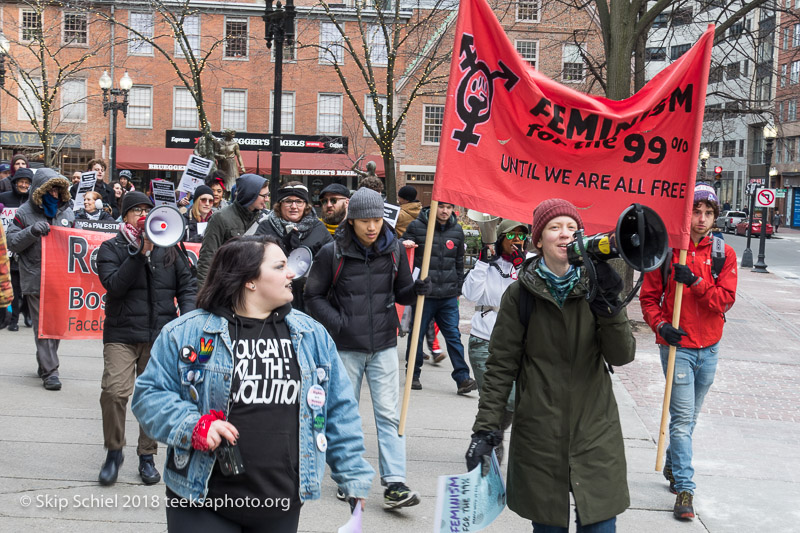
566,435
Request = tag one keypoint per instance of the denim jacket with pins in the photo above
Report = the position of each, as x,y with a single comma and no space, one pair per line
162,402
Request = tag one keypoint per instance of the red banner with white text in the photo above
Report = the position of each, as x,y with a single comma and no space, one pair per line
513,137
72,297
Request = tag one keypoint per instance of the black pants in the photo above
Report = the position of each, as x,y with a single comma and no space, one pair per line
194,520
19,304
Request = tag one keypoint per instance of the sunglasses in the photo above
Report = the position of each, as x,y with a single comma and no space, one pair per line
331,201
520,236
205,200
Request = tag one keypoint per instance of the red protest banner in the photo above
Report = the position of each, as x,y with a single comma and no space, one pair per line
513,137
73,299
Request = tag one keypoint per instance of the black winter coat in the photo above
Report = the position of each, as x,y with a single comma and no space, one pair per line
140,296
446,269
360,315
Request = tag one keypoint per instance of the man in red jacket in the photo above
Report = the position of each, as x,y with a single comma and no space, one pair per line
710,278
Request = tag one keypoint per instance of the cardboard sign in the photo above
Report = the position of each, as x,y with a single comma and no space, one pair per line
164,193
391,213
195,173
88,179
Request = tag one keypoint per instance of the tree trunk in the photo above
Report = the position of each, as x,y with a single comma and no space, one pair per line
618,40
390,180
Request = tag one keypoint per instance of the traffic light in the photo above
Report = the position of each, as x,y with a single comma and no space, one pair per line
717,177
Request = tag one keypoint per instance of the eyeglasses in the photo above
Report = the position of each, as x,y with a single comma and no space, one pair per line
520,236
331,201
265,196
206,200
140,210
293,202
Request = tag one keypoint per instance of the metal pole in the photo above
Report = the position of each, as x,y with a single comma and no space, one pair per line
275,176
761,266
747,255
113,153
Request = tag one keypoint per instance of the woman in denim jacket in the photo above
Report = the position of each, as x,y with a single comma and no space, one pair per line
245,372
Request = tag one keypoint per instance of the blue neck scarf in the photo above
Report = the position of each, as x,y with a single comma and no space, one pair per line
50,205
559,286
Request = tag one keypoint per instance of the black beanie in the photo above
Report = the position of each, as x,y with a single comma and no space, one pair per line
132,199
407,192
201,190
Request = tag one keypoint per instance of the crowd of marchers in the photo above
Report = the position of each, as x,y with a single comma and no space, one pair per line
250,366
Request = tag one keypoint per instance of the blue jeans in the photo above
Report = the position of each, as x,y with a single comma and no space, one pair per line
478,354
381,369
606,526
694,374
445,312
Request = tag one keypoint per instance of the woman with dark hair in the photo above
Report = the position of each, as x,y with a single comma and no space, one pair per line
293,222
119,193
91,210
217,184
248,410
198,215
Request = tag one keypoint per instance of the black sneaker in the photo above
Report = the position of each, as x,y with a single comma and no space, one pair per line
416,384
467,386
52,383
341,495
147,470
669,477
397,495
683,506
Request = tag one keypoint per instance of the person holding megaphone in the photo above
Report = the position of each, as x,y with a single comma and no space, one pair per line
566,435
142,283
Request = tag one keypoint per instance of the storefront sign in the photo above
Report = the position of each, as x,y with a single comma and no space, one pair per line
21,138
310,144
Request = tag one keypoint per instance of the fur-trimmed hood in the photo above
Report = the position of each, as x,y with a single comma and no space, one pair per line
46,179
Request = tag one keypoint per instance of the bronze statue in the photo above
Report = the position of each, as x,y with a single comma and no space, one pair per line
229,159
369,178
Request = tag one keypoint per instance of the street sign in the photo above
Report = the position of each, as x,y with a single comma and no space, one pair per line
780,193
765,198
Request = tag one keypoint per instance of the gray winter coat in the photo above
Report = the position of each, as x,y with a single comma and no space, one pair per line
22,241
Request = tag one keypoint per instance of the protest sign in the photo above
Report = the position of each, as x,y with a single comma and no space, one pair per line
469,502
88,179
391,213
71,292
195,173
97,225
7,217
163,193
513,137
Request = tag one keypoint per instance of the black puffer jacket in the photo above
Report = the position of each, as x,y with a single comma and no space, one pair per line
447,255
312,234
140,296
361,315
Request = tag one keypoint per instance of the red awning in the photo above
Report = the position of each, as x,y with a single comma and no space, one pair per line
292,163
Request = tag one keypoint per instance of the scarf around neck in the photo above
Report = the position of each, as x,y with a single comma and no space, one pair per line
50,205
559,286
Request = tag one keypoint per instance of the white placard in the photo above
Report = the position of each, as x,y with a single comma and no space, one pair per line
195,173
163,193
88,179
391,213
7,217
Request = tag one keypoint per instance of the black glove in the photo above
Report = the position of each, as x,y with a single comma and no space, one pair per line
670,334
518,257
291,239
480,450
485,254
609,285
40,228
423,287
683,274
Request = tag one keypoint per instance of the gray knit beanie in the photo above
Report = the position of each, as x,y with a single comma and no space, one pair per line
365,203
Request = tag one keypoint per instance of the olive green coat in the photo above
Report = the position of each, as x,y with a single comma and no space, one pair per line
566,433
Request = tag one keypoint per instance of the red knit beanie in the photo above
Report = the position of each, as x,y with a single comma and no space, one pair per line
547,211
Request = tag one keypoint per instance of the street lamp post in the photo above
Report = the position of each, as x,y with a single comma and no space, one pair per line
769,137
279,27
3,52
704,155
113,104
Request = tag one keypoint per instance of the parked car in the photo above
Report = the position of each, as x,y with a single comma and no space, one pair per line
741,228
728,220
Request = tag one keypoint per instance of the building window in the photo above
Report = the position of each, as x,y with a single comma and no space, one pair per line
31,27
234,109
658,53
781,108
528,50
731,109
796,36
287,111
331,50
677,51
661,21
732,71
715,75
783,75
73,100
379,53
75,28
735,30
682,16
184,109
789,146
745,68
741,147
787,32
140,107
141,24
572,69
236,37
329,114
713,149
527,10
370,113
191,29
419,177
795,75
432,121
728,148
791,111
29,103
763,89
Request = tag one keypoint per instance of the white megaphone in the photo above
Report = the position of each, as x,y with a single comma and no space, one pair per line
487,225
165,226
299,261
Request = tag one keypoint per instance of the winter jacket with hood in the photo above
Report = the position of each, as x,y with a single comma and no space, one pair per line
566,434
141,292
231,221
704,303
408,213
21,239
360,315
447,254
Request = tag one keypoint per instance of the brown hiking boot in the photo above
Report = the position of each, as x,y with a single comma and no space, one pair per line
683,506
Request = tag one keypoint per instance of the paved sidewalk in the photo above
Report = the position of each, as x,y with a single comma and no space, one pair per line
746,442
